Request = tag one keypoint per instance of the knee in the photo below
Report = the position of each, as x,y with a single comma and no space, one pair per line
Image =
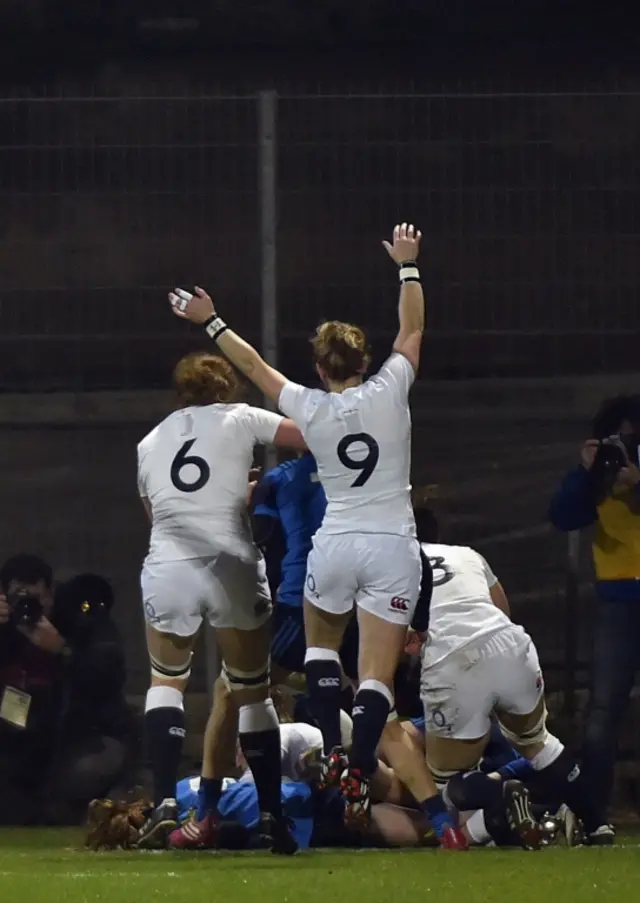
176,676
246,687
531,740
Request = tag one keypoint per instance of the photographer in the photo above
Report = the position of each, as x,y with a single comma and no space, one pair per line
64,723
604,492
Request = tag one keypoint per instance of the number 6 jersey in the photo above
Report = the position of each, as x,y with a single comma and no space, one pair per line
193,468
361,440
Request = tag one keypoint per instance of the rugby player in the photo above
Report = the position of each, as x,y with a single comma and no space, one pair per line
202,562
359,434
477,662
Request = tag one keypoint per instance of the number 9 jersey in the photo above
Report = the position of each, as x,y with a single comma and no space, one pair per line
366,548
193,468
361,440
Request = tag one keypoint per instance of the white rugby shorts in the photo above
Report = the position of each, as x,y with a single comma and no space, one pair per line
228,591
377,572
499,672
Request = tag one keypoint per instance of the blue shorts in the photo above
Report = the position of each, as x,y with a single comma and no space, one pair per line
288,644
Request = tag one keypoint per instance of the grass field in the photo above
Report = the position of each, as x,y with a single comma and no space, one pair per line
39,866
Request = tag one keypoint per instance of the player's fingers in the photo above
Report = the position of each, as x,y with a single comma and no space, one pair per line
418,236
403,230
388,248
177,302
396,233
200,292
410,231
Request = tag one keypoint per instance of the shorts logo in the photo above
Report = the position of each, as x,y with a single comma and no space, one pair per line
399,604
150,612
329,682
357,710
438,719
177,732
311,586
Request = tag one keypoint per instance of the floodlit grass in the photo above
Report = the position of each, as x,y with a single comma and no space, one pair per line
48,866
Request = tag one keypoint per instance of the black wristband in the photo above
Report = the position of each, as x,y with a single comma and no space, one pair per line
408,263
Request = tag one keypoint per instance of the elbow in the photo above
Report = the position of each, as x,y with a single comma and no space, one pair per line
289,436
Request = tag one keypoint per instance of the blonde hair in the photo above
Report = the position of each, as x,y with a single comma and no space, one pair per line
340,349
201,378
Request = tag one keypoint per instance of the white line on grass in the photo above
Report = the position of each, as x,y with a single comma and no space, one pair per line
101,874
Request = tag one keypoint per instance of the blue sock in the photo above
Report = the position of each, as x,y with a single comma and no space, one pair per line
208,796
519,768
438,814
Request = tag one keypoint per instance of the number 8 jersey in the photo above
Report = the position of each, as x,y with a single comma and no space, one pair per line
361,440
193,468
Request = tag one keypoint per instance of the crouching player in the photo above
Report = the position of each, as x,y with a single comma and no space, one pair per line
475,662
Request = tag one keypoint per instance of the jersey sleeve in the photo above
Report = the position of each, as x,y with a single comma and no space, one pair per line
397,375
262,425
491,577
295,402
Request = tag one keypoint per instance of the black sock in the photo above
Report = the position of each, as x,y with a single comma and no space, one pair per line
565,778
260,743
208,796
370,710
165,738
324,678
495,821
474,790
436,811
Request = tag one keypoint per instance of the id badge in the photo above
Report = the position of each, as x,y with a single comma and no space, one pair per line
14,708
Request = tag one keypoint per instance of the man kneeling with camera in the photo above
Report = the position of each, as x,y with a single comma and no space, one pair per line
64,723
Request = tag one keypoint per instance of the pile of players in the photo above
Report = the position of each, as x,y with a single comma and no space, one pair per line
446,746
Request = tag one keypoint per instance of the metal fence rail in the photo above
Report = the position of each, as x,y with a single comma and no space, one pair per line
278,203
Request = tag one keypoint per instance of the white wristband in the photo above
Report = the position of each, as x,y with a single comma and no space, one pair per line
215,327
409,274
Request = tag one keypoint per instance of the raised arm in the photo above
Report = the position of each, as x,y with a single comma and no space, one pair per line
404,251
199,308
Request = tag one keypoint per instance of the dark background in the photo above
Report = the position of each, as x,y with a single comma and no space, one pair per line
129,163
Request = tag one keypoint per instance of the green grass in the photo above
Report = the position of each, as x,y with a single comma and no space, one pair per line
47,867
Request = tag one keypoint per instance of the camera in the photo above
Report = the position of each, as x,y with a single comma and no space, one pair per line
26,609
610,457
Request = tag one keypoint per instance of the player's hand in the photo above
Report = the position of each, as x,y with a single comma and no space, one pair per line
254,477
5,611
197,308
406,244
588,453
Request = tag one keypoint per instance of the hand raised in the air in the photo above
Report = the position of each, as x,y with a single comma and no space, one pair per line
406,244
197,308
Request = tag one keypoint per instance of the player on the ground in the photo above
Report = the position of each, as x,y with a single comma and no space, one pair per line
477,662
202,562
365,551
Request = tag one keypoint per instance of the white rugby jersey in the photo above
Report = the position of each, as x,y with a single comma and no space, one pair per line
295,740
461,608
361,440
193,467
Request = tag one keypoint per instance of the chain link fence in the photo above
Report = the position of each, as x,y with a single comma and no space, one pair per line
527,201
